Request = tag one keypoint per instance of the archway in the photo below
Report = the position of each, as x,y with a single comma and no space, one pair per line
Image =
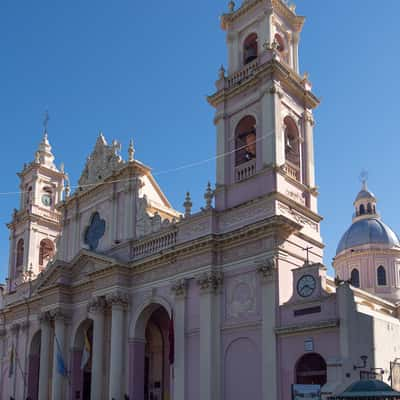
82,361
311,370
34,366
150,355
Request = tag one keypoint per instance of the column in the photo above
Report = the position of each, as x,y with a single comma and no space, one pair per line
118,302
309,139
273,146
58,387
96,313
44,356
15,329
3,358
296,51
268,271
180,291
210,335
128,221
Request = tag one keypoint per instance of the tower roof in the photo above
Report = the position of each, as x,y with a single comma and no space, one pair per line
44,155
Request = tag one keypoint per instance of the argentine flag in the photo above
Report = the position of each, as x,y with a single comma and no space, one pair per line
86,352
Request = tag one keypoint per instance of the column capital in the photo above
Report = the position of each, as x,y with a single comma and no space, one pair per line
267,268
15,327
58,314
117,299
179,288
210,282
25,325
96,305
44,317
308,117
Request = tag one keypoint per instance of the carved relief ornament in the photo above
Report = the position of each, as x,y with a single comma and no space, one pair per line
210,281
179,288
117,299
96,305
266,268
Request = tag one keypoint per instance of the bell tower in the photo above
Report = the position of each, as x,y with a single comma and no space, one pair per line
263,105
36,225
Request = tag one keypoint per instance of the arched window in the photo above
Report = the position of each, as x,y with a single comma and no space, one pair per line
369,208
245,140
250,48
46,252
381,275
362,209
20,253
311,370
355,277
292,142
29,196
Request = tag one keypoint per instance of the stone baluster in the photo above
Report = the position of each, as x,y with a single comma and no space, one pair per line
179,289
44,372
118,302
96,309
210,284
267,270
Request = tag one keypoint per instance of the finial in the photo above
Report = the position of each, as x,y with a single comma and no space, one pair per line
231,6
188,205
208,196
221,73
364,179
62,167
131,151
67,188
37,157
45,124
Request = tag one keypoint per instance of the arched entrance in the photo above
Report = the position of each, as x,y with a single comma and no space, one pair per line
34,366
311,370
82,362
150,353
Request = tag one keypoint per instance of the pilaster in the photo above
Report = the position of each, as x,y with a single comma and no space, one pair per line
179,288
96,308
118,301
267,270
44,372
210,284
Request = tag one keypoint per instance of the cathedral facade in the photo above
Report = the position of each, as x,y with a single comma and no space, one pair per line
114,294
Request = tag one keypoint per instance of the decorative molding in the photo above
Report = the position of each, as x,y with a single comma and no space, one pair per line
210,282
241,297
44,317
266,268
117,299
179,288
96,305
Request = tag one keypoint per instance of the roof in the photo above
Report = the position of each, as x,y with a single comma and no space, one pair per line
369,389
365,194
368,231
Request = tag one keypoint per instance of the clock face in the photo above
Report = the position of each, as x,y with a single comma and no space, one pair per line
306,285
46,200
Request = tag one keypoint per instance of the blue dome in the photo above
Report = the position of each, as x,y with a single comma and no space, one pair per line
367,231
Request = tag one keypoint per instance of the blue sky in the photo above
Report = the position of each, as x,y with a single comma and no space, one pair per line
142,70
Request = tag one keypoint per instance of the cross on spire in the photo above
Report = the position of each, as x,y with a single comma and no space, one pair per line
364,178
307,249
46,121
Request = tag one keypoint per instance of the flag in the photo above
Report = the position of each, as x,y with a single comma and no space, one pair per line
11,362
61,368
86,352
171,337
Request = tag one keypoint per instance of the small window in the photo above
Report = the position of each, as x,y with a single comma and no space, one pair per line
355,277
46,251
381,275
369,208
250,48
362,209
292,142
20,253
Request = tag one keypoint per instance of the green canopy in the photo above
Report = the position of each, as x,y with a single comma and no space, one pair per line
368,390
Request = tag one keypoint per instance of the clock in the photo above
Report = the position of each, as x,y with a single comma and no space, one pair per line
306,285
46,200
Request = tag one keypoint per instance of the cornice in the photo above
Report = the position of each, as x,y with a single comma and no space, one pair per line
277,6
301,328
275,70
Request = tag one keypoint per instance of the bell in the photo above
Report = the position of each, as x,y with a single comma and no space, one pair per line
251,54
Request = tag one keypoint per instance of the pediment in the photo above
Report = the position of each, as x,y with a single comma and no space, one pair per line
76,271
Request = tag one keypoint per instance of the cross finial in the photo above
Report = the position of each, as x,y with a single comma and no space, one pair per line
364,178
46,121
307,249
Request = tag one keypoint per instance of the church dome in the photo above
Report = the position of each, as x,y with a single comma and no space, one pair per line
367,231
365,194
